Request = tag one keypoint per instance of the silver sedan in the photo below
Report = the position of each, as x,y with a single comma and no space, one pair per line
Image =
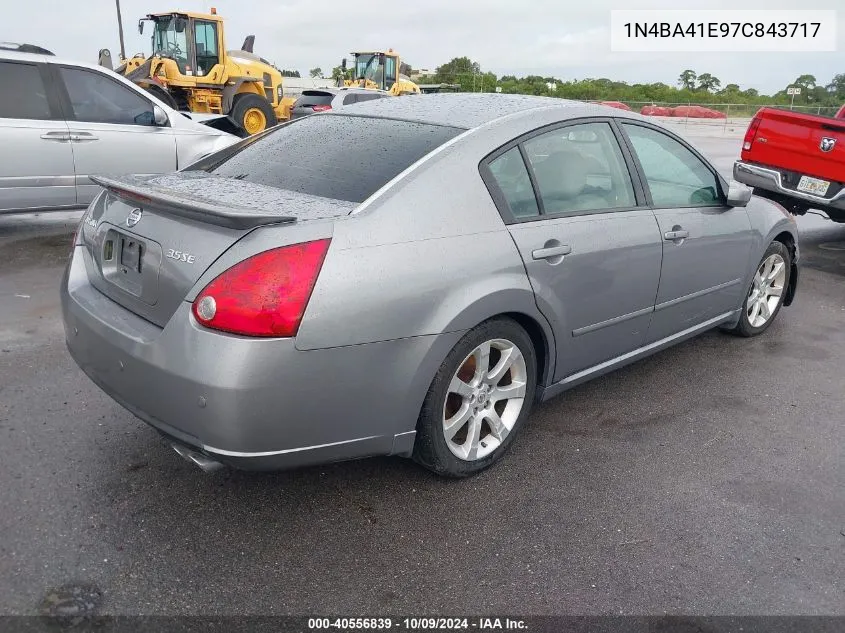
410,277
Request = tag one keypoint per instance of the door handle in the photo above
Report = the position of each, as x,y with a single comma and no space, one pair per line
551,251
83,136
676,235
56,136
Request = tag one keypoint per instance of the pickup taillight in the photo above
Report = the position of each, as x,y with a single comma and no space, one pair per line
751,132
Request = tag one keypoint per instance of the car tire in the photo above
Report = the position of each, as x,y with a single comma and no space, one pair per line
770,282
252,113
496,399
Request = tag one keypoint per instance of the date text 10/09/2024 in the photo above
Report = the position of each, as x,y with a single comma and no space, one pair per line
416,624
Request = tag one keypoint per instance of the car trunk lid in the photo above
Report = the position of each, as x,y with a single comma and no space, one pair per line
148,239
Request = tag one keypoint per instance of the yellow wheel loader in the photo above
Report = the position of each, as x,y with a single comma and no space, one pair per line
378,70
191,70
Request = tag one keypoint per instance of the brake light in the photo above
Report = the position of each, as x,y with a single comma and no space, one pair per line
265,295
321,108
751,132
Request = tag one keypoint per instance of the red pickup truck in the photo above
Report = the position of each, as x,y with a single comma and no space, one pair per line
797,160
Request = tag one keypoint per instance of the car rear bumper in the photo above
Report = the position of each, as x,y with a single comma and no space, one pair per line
770,179
251,403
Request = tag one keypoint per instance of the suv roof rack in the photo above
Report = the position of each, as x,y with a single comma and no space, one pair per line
25,48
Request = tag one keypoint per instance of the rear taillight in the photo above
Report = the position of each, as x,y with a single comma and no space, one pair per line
751,132
265,295
321,108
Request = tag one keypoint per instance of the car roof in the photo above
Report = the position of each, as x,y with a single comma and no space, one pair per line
12,55
469,110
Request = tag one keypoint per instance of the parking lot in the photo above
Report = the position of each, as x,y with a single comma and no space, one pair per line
705,480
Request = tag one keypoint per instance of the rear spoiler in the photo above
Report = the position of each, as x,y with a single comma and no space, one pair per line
240,218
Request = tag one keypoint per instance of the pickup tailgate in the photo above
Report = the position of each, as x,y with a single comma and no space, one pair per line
797,143
147,239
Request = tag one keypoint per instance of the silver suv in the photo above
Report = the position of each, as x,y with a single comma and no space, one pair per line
62,121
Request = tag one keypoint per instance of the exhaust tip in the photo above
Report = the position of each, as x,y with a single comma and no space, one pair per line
198,459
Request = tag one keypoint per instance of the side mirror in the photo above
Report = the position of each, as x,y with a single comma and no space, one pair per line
180,24
160,116
738,194
343,64
141,27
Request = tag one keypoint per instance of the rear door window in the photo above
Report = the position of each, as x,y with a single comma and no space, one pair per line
580,168
96,98
24,95
369,97
332,156
310,98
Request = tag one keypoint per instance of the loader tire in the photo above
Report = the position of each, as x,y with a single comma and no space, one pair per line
252,114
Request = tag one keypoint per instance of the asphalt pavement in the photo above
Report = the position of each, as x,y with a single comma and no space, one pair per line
707,479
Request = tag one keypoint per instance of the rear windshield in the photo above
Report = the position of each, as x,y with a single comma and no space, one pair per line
314,98
333,156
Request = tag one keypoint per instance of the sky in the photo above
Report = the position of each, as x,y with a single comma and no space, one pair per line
567,39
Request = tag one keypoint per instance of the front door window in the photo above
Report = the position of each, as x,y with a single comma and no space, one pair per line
676,177
206,45
389,72
170,40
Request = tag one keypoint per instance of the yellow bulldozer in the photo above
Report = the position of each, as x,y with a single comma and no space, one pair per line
378,70
191,70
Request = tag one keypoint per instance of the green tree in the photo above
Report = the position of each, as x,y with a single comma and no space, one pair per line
708,82
458,67
316,72
687,79
466,73
805,81
290,73
837,86
337,73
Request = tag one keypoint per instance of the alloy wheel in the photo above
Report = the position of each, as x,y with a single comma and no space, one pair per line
484,399
766,290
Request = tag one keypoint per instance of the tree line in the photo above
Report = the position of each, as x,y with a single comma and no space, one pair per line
690,87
